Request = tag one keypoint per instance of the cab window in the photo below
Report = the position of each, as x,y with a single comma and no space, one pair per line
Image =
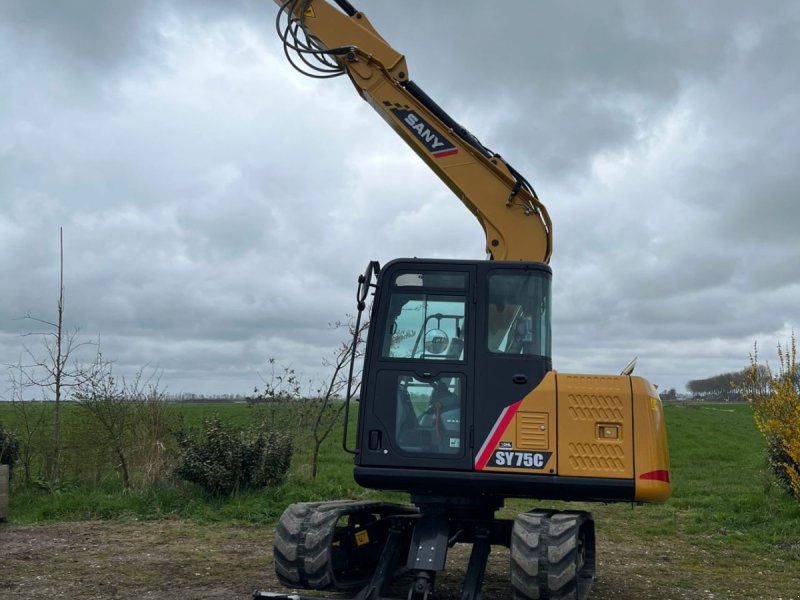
519,314
428,414
425,327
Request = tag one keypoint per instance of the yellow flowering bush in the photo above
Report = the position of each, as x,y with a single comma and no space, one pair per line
775,398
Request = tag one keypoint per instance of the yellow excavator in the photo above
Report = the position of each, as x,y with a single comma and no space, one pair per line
459,405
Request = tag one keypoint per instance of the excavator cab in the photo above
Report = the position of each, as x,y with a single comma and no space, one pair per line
451,344
454,350
460,407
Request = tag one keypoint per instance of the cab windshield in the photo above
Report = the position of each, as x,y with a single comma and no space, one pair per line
519,314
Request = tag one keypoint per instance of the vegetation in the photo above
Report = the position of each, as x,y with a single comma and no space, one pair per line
130,420
725,387
51,371
775,398
722,479
323,408
9,448
125,433
224,460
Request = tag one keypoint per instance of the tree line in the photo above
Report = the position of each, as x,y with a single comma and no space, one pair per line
725,387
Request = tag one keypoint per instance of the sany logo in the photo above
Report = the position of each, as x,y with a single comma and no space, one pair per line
434,141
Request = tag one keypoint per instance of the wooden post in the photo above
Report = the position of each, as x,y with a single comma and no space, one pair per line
3,492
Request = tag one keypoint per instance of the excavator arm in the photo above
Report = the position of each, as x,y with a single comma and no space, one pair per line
323,41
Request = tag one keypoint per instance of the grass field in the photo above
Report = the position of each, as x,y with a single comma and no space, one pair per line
727,532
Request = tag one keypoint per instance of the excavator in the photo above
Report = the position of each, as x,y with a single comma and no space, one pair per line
459,404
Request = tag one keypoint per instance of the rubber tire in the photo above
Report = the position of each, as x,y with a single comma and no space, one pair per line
302,548
552,555
526,541
302,545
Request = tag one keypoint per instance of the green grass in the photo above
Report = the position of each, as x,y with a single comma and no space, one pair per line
722,486
721,475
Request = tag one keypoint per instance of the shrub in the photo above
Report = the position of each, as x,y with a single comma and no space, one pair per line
9,448
123,426
223,459
775,398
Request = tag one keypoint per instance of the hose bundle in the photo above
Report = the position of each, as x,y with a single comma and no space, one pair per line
304,52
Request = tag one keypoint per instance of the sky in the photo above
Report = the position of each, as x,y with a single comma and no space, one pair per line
217,207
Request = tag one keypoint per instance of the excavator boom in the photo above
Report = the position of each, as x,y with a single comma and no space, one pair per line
516,224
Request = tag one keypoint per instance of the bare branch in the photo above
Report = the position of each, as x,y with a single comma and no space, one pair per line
30,317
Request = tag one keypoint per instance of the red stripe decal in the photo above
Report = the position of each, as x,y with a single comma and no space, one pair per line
444,153
494,436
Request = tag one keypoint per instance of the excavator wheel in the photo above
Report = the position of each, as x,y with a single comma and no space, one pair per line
552,555
332,545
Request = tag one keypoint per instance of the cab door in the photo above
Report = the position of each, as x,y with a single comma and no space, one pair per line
418,391
512,348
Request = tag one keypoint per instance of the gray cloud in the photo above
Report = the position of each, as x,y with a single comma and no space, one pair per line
218,207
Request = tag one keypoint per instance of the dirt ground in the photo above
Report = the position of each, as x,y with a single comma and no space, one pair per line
178,559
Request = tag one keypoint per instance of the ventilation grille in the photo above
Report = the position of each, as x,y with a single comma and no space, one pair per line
532,431
597,457
594,408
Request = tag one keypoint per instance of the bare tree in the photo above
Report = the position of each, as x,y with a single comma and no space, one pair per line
326,411
284,404
50,370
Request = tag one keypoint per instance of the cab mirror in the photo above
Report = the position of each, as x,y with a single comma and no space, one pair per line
436,341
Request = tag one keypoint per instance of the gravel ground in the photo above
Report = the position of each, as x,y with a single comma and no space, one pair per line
179,559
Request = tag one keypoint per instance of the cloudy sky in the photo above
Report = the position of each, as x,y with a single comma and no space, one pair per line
217,206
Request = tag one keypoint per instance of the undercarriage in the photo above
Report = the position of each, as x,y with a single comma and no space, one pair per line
364,547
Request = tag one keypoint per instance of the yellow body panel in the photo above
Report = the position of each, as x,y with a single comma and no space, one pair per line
590,408
538,407
653,482
590,426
